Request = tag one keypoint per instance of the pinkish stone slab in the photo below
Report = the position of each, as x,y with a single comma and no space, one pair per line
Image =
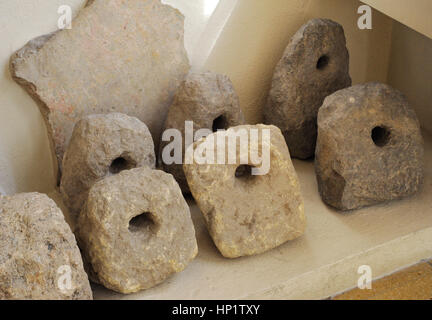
119,56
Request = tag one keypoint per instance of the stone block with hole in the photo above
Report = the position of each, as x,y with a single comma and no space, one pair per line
210,102
314,65
246,213
39,256
103,145
119,56
369,147
135,230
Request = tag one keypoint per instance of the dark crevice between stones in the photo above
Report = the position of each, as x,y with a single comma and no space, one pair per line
220,123
380,136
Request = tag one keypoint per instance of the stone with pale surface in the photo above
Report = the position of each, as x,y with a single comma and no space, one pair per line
136,230
248,214
208,100
119,56
38,252
103,145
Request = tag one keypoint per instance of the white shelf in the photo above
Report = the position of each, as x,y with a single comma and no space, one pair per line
321,263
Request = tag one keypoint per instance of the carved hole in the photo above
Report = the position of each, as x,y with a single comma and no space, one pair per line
380,136
220,123
143,223
119,164
323,62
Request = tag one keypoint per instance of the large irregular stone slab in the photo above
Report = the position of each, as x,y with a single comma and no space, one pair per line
248,214
136,230
103,145
314,65
119,56
39,256
369,147
210,102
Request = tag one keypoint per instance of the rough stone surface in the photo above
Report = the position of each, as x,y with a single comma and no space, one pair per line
119,56
36,248
314,65
369,147
103,145
248,214
136,230
210,101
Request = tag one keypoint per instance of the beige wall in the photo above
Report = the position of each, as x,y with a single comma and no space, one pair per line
410,67
416,14
410,70
258,32
26,162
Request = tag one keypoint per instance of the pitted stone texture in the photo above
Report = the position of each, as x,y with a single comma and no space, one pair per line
210,102
314,65
369,147
103,145
136,230
119,56
37,248
247,214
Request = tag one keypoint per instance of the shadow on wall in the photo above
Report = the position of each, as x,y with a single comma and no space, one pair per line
204,23
26,163
256,35
411,59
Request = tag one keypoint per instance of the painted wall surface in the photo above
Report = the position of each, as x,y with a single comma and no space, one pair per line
26,162
410,70
254,35
415,14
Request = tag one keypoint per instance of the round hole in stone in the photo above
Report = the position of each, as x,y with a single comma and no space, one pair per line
380,136
323,62
220,123
143,223
244,172
119,164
